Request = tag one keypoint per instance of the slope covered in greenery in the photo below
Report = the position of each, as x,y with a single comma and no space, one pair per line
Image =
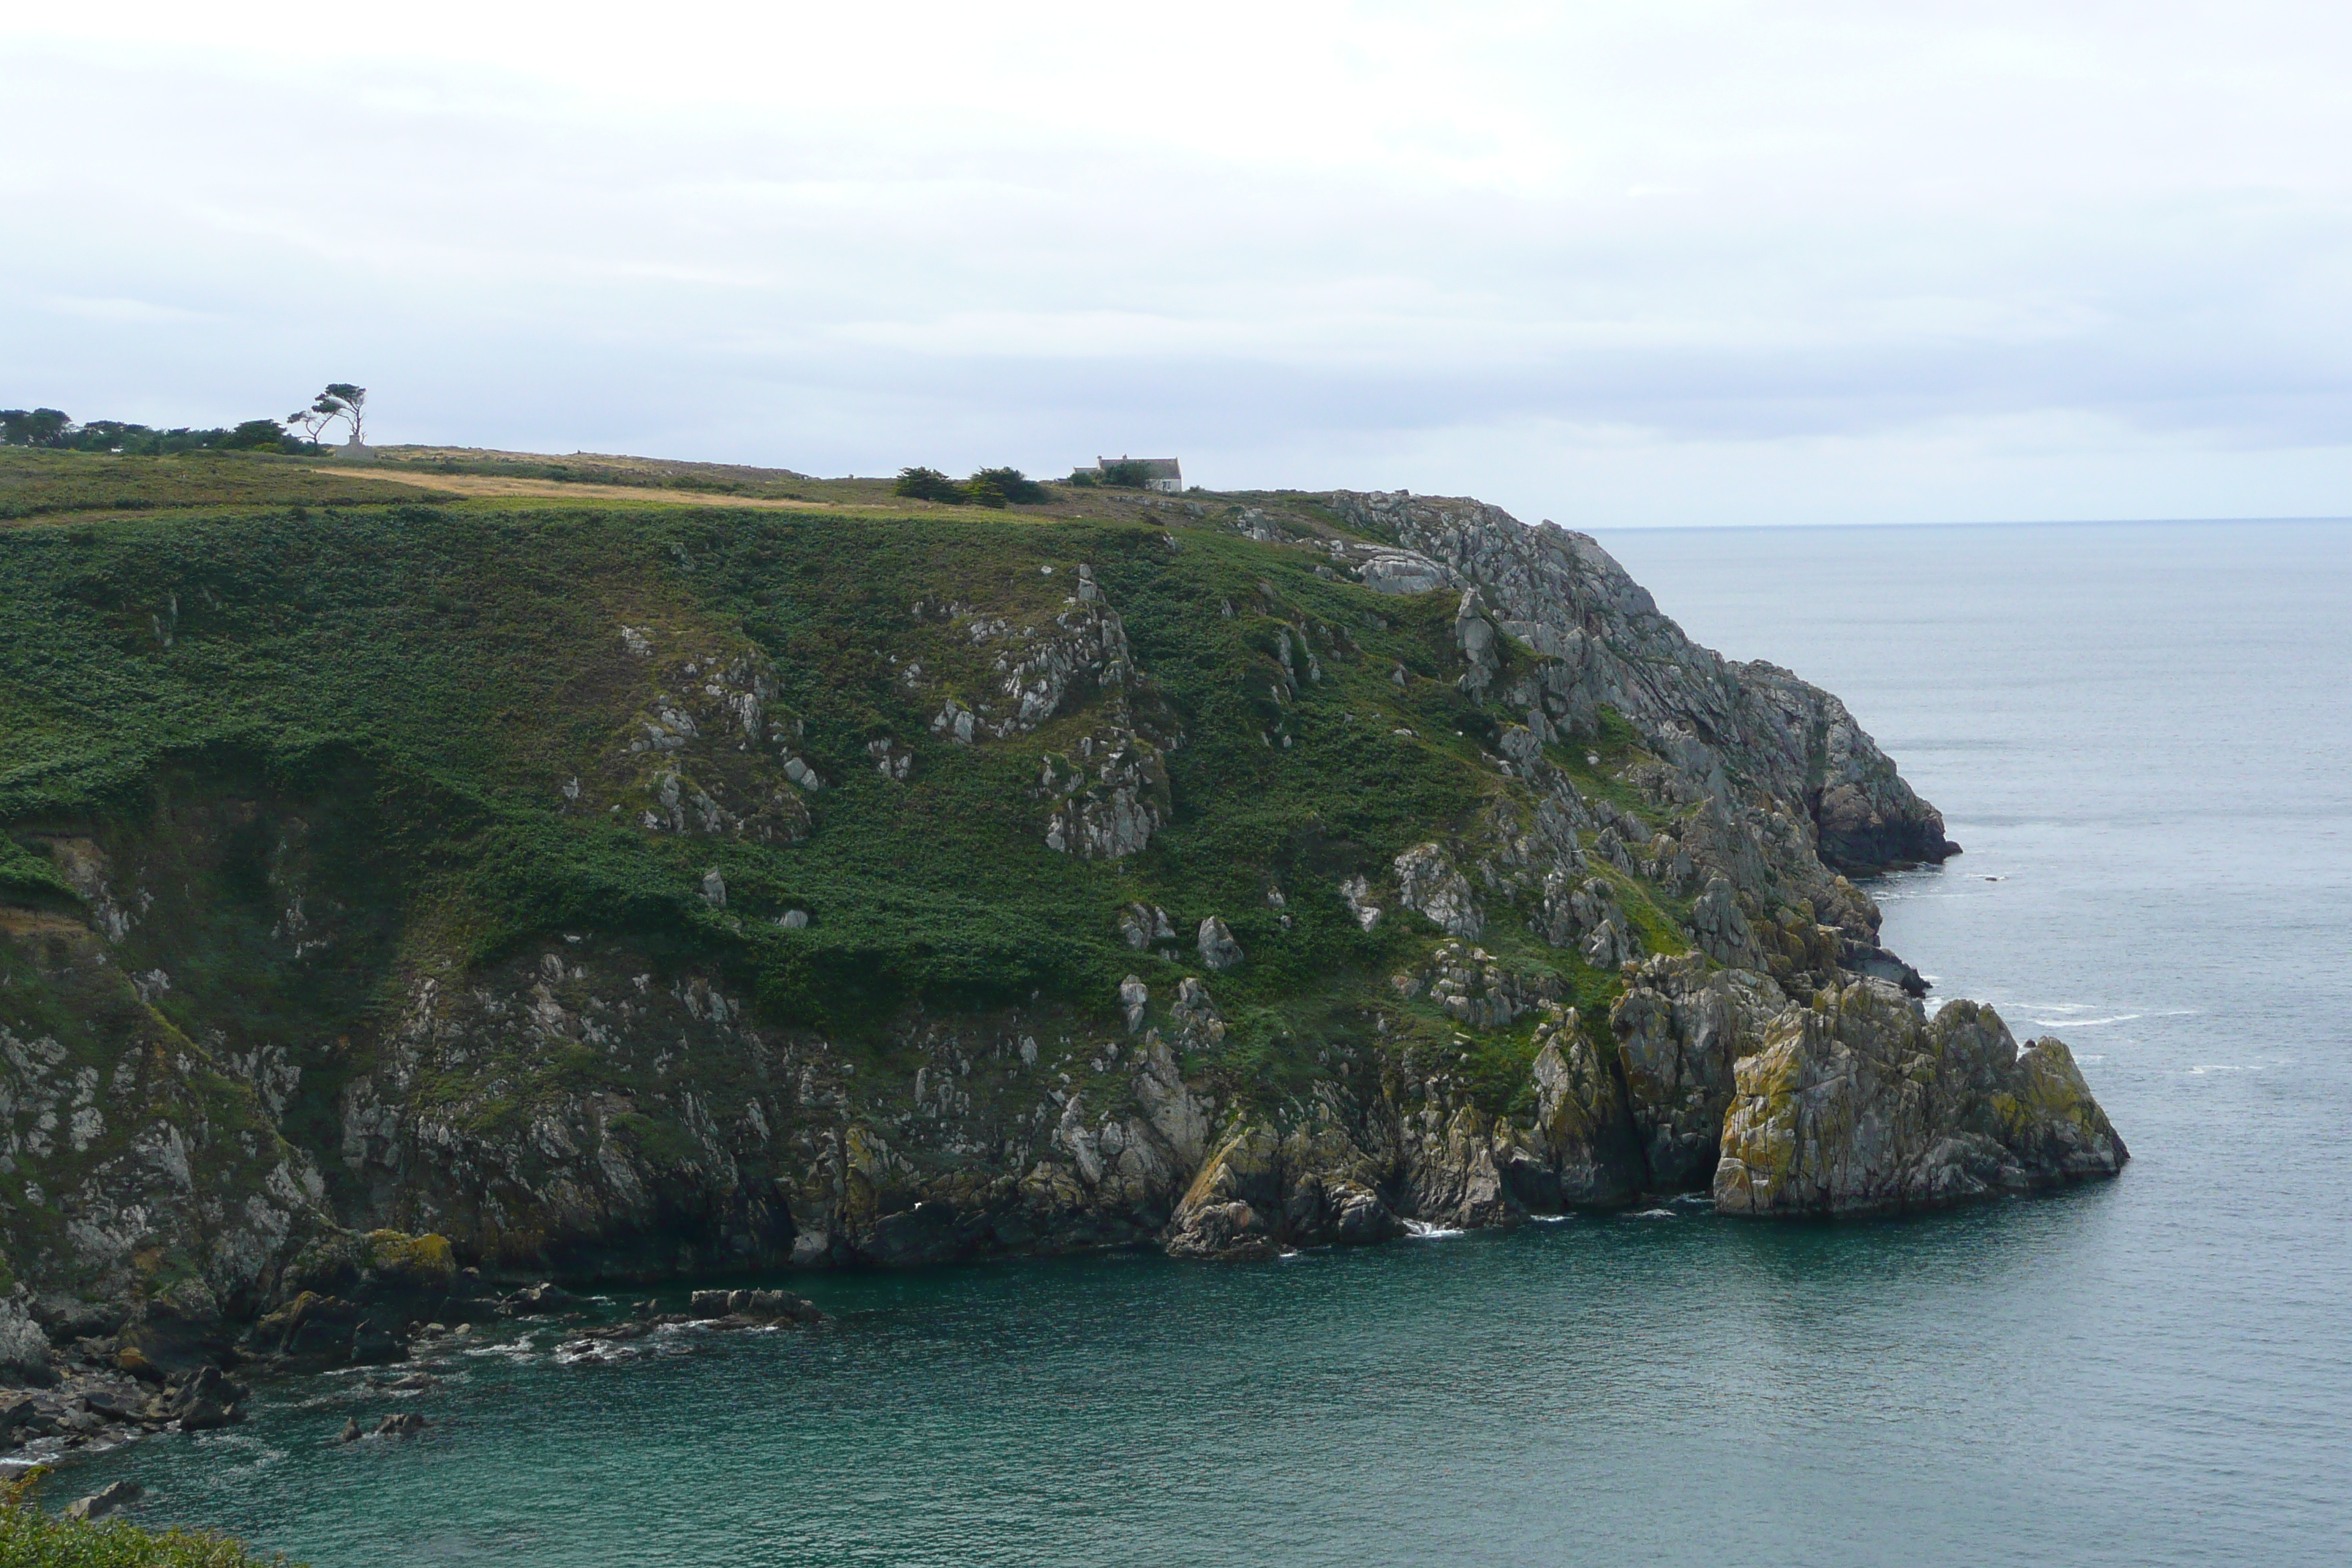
630,888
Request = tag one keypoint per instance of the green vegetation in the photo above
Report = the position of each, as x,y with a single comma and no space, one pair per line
52,429
31,1539
37,483
988,488
394,700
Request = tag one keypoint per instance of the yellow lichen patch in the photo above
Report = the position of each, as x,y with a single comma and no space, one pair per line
424,1262
21,923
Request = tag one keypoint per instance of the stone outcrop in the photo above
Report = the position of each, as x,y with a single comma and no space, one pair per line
1862,1104
1604,642
1429,884
1680,1028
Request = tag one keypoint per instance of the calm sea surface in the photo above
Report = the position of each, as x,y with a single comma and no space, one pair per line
2142,735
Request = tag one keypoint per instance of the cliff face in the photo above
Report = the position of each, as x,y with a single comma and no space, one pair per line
624,894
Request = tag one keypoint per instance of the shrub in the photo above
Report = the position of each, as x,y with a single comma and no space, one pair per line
1126,475
31,1539
253,436
1012,484
928,484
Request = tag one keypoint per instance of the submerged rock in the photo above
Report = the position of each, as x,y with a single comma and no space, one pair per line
538,1301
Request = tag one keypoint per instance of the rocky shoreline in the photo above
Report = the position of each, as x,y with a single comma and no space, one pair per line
104,1391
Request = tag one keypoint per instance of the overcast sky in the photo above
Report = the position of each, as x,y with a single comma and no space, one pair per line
1612,264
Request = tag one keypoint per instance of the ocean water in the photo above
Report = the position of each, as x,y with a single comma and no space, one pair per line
2143,736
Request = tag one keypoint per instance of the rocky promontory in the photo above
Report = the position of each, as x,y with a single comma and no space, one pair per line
399,908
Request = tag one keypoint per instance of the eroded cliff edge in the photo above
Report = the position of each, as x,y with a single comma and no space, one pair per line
628,895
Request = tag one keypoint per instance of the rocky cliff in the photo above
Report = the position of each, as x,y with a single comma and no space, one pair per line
625,894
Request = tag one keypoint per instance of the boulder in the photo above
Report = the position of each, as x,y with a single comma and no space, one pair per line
314,1331
181,1330
105,1500
208,1399
1218,948
536,1301
1429,884
114,1403
24,1349
759,1306
407,1424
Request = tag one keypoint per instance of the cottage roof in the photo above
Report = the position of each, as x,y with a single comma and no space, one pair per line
1153,467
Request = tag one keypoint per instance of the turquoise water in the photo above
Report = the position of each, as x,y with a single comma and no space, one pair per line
2142,732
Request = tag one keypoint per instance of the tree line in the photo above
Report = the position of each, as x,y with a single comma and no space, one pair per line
341,403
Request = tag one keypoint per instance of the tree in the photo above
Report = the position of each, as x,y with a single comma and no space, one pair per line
1012,484
35,427
254,435
930,484
341,401
1126,475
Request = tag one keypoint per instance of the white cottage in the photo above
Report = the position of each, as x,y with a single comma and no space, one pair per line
1162,474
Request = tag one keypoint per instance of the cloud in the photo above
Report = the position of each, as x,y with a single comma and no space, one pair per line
1691,261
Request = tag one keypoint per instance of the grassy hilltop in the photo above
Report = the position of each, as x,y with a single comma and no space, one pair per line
420,679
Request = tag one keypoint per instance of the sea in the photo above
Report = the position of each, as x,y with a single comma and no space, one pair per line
2142,734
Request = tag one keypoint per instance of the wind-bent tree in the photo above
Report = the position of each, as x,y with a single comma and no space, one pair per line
930,484
1012,484
341,401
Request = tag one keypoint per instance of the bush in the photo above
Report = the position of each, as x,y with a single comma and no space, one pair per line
928,484
1083,478
253,436
1126,475
1012,484
984,492
31,1539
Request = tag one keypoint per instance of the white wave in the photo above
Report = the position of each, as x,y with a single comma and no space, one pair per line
1551,1218
1422,1230
1655,1214
2082,1023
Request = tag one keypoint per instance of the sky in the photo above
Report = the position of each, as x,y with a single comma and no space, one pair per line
1679,262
